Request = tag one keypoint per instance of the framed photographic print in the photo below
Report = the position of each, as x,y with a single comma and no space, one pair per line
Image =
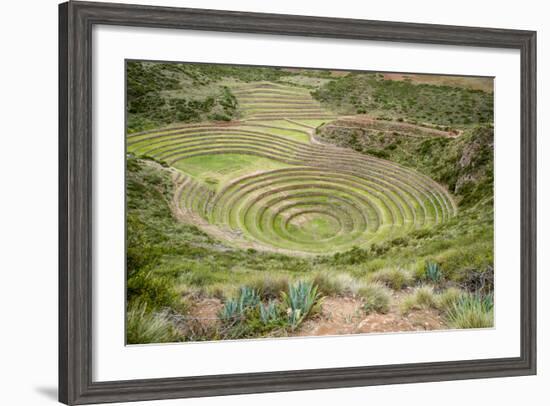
257,202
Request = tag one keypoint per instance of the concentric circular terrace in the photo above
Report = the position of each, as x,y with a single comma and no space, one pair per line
319,199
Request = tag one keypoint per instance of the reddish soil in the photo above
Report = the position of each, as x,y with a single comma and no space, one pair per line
343,315
478,83
206,311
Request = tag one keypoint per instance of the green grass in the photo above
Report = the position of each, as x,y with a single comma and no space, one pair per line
312,122
289,132
222,168
471,311
423,297
145,327
316,227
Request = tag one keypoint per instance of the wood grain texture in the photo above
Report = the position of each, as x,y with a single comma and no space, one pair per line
76,20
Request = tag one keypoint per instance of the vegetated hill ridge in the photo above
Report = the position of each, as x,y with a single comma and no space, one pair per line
360,93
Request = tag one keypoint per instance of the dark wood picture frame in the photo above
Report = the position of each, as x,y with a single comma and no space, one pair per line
76,20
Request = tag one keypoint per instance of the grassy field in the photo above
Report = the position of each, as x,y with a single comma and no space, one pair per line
287,209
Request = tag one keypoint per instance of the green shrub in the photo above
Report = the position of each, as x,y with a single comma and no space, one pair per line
392,277
354,256
376,298
144,327
471,311
156,291
140,253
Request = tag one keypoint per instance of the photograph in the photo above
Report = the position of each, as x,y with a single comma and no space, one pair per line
271,202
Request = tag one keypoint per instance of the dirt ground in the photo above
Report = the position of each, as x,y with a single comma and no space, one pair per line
342,315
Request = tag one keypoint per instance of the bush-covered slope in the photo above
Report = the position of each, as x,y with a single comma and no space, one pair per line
158,94
163,93
359,93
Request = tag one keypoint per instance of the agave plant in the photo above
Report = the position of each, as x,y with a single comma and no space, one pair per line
295,317
433,272
299,300
248,298
234,309
269,312
229,311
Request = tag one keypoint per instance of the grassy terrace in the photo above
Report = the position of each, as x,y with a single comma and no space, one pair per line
265,185
268,101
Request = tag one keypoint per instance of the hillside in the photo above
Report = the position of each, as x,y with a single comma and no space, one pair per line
259,204
358,93
463,163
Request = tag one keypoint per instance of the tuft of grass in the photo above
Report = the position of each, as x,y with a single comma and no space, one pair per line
471,310
392,277
376,297
446,299
336,284
145,327
300,300
220,291
422,297
419,270
269,286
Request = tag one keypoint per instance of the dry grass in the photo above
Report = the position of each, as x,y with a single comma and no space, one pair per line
269,286
423,297
394,278
376,297
340,284
144,327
